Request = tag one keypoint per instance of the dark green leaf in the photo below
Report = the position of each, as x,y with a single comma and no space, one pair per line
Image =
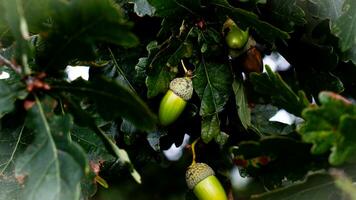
10,146
339,13
173,7
319,185
326,9
345,27
249,19
158,73
90,142
37,14
85,119
77,27
241,102
327,81
350,55
163,61
212,83
9,188
221,139
210,128
282,95
287,14
275,158
52,166
18,26
113,100
9,94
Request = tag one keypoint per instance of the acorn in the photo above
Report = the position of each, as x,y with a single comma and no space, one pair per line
236,38
175,100
201,178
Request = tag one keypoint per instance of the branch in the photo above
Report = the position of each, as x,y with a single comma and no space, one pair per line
4,61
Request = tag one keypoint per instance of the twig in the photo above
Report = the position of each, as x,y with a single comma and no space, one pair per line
4,61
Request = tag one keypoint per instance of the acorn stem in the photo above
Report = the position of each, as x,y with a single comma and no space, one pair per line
193,150
184,68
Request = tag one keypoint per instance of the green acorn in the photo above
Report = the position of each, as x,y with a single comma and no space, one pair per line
175,100
236,38
201,178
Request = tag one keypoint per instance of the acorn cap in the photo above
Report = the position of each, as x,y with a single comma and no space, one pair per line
182,87
196,173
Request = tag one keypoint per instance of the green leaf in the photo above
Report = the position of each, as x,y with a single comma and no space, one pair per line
276,158
345,146
52,166
345,27
173,7
241,102
281,94
350,55
158,73
318,185
163,61
249,19
112,101
9,189
329,127
221,139
13,141
327,81
36,13
10,146
18,26
77,27
210,128
212,83
85,119
287,14
90,142
9,93
339,13
326,9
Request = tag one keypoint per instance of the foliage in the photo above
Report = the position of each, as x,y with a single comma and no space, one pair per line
62,139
